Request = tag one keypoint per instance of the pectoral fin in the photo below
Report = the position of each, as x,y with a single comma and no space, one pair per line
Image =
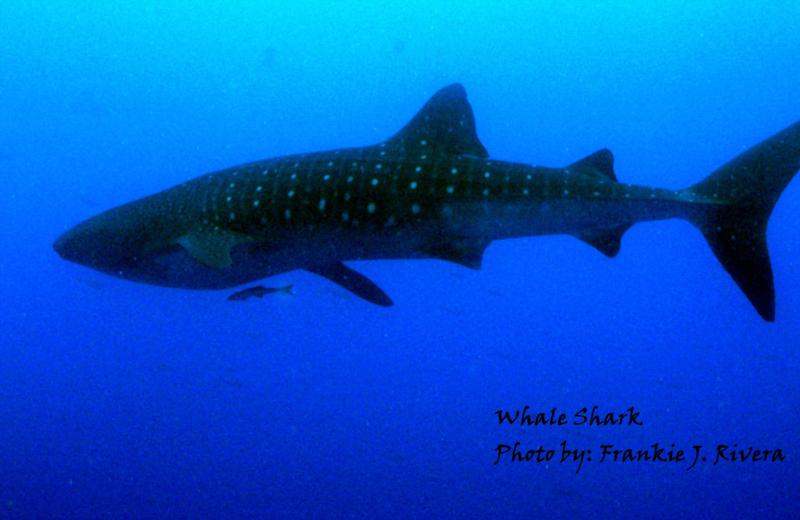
353,281
211,247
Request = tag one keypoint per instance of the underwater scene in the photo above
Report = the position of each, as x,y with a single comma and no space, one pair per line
412,259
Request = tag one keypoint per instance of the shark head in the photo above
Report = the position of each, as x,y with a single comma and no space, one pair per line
107,243
145,242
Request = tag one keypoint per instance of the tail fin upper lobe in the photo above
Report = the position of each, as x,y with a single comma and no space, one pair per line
740,197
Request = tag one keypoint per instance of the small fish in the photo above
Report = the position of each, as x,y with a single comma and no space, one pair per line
259,291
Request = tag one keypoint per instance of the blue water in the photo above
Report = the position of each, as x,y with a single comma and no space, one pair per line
120,400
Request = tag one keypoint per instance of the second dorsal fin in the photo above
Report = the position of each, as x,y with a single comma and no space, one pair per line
600,164
444,125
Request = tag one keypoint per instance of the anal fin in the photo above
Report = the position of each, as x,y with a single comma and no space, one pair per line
353,281
462,251
607,241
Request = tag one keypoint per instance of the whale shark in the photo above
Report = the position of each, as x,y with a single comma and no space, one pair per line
431,191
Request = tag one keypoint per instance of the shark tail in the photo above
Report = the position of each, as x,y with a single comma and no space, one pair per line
733,207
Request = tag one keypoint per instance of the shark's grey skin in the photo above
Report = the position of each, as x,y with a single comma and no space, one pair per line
431,191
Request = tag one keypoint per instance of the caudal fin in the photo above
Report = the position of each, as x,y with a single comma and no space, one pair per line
735,203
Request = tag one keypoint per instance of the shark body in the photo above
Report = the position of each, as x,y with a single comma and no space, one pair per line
430,191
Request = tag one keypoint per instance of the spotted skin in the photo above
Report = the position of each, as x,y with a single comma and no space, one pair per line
357,190
431,191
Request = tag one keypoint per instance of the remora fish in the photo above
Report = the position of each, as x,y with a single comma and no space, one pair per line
430,191
259,291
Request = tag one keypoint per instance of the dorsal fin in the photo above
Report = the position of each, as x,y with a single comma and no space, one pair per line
600,163
444,125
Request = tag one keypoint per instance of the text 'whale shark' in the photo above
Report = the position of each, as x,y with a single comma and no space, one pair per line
430,191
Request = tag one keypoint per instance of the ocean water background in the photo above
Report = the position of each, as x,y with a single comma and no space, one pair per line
120,400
